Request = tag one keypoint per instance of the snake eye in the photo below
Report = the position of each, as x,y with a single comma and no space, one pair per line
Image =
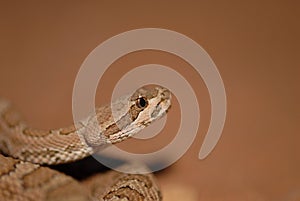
141,102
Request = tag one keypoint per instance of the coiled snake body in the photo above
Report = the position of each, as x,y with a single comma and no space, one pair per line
25,149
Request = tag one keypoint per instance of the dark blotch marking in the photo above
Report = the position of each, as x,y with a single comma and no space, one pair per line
111,129
35,132
119,125
4,146
67,130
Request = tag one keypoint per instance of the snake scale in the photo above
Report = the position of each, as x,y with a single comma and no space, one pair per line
25,151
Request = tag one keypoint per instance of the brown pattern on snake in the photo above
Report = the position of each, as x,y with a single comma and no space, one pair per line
134,187
140,181
20,180
36,183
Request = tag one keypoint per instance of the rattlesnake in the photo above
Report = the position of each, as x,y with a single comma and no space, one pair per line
26,150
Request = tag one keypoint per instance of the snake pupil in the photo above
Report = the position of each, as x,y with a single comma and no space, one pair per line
142,102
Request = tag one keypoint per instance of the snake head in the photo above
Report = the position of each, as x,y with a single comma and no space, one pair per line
146,105
149,103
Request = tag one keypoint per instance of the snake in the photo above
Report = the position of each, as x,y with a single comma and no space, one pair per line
26,152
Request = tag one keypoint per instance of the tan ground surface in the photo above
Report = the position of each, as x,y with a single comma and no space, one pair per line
255,45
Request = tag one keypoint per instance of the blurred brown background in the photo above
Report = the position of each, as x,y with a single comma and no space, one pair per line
255,45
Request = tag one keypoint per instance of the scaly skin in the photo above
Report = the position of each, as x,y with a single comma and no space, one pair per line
22,177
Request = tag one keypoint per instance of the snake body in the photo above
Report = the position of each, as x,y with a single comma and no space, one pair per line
23,178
